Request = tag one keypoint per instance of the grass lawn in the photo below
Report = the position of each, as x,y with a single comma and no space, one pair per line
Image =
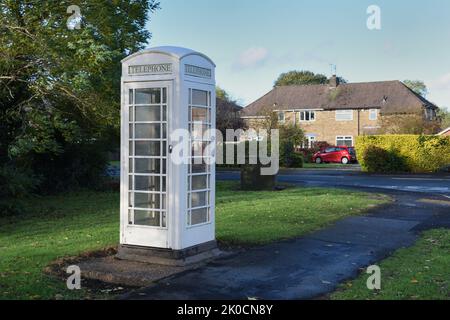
421,272
67,225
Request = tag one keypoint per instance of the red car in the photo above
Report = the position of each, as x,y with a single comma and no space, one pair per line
344,155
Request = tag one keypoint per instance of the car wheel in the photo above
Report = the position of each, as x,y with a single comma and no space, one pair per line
344,160
318,160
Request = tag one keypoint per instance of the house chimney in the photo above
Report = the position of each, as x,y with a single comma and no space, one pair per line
334,81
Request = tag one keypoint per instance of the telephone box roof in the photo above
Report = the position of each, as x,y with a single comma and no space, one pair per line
177,52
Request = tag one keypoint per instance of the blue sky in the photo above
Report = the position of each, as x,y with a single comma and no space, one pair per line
253,41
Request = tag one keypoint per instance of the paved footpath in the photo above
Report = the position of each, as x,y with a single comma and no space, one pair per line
311,266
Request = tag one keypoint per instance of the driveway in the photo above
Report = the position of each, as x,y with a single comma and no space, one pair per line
314,265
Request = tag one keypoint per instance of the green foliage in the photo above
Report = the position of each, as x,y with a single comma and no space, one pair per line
60,88
296,161
403,153
300,78
291,135
14,185
444,118
222,94
418,86
227,112
376,159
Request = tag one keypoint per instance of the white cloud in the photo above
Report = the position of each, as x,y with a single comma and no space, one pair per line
252,57
441,83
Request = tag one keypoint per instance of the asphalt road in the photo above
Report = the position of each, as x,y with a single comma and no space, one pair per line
431,184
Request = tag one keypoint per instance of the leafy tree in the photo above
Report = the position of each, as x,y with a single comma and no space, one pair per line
60,88
300,78
303,78
418,86
444,118
227,115
222,94
408,124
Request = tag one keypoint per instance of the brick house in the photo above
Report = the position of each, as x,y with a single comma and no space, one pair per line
338,113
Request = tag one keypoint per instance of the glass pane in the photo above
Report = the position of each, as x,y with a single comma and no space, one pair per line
164,150
199,97
144,114
163,184
130,165
199,182
198,168
130,150
198,149
130,216
148,166
147,201
147,218
148,96
198,131
148,131
164,220
147,183
164,133
130,96
163,201
199,199
148,148
131,114
199,216
164,111
131,131
199,114
164,100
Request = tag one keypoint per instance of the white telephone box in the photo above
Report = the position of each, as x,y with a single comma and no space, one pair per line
167,207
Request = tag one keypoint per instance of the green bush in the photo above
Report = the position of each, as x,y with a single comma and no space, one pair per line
403,153
14,185
80,166
376,159
296,160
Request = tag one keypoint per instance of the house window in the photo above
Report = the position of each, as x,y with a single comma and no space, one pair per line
344,115
308,142
307,116
430,114
344,141
281,117
373,114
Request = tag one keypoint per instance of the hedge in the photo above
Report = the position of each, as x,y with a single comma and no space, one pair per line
403,153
